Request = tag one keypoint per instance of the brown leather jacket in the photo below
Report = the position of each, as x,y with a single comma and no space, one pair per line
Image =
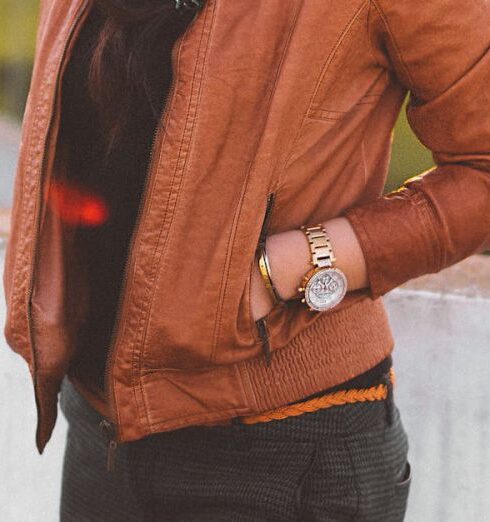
280,114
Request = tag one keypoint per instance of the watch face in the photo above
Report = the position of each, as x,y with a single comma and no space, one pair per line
325,289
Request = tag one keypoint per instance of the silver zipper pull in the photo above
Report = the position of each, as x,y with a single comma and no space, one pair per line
108,431
188,4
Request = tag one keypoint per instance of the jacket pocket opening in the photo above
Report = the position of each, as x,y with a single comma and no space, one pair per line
261,324
264,336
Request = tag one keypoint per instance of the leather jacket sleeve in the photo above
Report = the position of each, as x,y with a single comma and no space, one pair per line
440,52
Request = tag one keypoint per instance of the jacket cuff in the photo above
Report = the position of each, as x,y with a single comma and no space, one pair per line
397,237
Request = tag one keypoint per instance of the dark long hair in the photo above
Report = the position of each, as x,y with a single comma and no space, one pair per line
121,64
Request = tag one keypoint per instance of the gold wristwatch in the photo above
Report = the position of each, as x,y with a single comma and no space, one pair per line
324,286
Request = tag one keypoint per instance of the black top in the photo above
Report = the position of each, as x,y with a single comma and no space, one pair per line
120,181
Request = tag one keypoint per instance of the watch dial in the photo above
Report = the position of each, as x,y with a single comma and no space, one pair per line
325,289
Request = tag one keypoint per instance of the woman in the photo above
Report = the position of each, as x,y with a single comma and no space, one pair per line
183,166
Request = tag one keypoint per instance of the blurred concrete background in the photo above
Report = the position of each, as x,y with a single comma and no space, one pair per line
441,324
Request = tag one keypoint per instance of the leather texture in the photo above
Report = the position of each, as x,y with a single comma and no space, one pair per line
296,99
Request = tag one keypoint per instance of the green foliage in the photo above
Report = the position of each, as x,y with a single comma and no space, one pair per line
409,156
18,21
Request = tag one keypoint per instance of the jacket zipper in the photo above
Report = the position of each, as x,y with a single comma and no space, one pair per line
39,206
261,323
107,426
107,429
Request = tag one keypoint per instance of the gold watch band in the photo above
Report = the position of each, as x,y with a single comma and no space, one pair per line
320,246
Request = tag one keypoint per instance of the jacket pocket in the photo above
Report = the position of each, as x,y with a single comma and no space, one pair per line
239,335
336,94
256,326
261,328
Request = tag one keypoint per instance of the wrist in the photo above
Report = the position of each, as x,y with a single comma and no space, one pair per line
289,260
349,255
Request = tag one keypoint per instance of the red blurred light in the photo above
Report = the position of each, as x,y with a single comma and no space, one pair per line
75,205
94,213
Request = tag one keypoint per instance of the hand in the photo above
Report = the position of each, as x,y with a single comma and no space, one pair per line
261,301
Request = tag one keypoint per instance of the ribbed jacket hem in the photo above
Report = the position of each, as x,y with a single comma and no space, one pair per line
333,349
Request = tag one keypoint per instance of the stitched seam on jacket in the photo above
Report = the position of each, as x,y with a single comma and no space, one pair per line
375,280
405,66
248,387
430,213
38,114
394,41
231,240
222,414
25,147
372,46
279,176
325,67
15,300
137,355
345,39
420,201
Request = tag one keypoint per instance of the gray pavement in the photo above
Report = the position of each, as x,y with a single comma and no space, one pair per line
9,138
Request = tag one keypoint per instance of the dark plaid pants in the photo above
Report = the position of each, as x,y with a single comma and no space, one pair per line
346,463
